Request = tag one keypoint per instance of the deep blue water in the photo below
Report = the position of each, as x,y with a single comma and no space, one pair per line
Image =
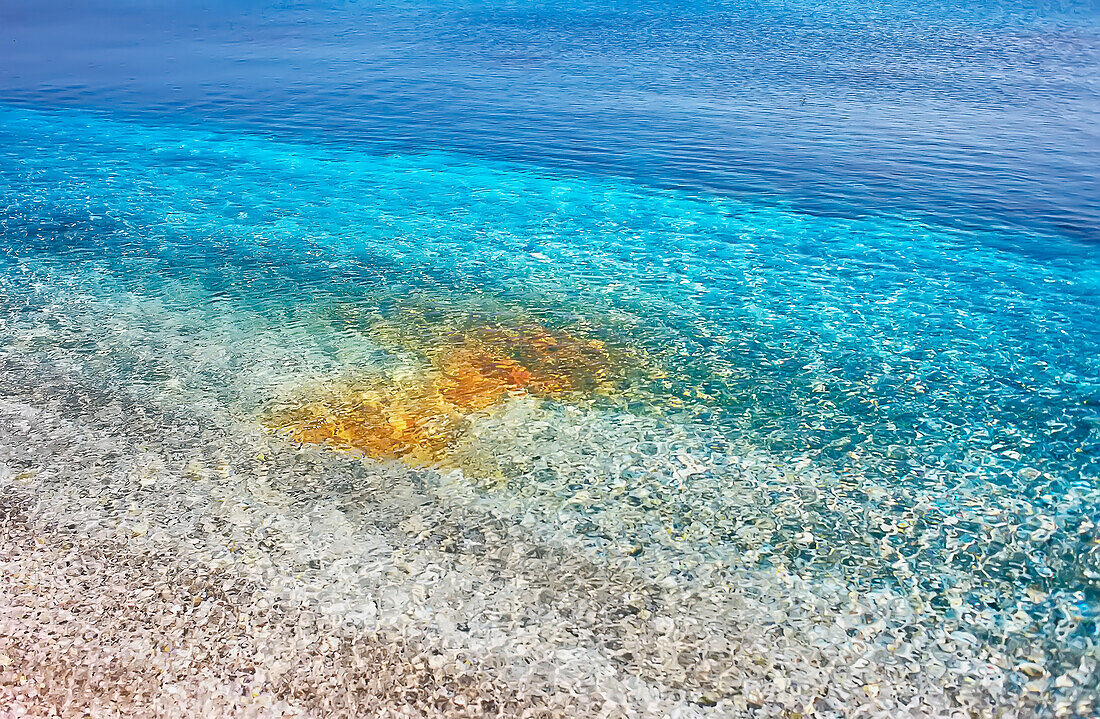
862,244
970,112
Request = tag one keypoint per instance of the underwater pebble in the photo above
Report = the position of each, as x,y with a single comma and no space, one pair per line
559,569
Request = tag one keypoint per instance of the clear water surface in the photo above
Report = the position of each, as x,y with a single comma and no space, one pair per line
839,267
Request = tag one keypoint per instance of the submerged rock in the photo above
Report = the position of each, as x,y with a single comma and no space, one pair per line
469,373
383,421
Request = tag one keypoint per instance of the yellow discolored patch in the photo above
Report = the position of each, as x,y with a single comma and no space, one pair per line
474,372
383,421
554,363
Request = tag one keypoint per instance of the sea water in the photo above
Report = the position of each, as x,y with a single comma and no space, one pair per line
600,429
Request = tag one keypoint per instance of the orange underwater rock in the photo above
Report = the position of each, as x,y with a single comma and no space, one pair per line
540,361
385,422
473,379
475,372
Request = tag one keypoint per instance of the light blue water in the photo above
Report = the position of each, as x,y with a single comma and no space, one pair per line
862,245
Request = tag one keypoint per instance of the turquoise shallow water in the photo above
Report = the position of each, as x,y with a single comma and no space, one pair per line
887,404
